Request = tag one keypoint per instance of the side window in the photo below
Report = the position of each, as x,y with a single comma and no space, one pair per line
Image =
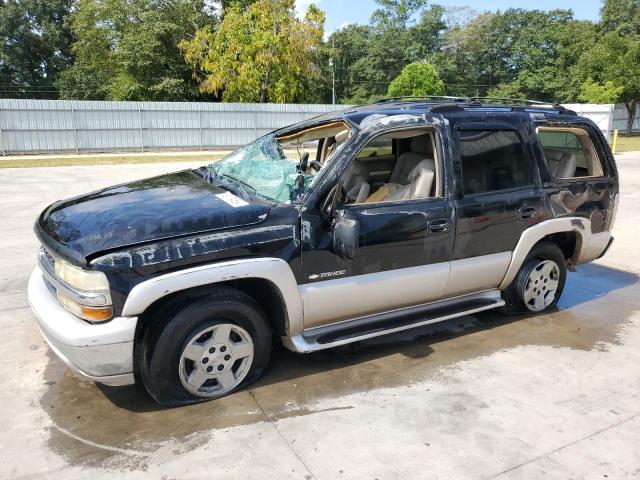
379,173
493,160
569,153
378,147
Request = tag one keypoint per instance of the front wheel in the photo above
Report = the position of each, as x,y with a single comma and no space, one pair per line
205,348
539,284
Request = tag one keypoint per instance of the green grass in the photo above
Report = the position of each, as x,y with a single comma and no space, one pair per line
52,161
628,144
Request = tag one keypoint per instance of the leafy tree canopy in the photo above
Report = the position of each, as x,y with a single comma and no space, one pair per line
616,59
260,54
128,50
594,92
36,46
417,79
369,57
622,16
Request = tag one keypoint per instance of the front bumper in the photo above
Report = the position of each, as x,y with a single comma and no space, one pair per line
102,353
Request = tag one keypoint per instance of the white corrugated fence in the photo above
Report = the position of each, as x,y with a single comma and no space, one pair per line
30,126
49,126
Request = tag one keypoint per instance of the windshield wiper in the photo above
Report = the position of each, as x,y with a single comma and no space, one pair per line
245,189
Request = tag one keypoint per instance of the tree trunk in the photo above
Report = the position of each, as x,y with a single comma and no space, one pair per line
631,114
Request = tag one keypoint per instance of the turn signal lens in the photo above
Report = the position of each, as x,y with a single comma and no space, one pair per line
96,314
90,314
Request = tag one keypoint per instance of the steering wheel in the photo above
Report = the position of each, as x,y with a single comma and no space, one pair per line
315,165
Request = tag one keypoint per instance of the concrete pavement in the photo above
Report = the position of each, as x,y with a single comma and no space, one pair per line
484,396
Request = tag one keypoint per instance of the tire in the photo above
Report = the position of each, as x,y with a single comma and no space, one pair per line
221,339
539,283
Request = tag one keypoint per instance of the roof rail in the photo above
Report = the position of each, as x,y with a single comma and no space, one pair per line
448,103
512,101
525,102
421,97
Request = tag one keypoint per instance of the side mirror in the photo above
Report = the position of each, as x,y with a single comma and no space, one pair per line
346,235
328,205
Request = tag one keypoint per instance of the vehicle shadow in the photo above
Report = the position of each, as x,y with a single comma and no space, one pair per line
596,304
591,282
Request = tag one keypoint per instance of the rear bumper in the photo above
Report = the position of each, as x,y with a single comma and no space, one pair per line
604,252
102,353
596,246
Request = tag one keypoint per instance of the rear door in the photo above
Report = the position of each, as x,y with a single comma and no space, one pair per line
498,197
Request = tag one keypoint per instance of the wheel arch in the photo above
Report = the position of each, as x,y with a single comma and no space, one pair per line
269,281
571,234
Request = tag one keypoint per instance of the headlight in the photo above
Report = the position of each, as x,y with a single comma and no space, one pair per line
84,293
80,278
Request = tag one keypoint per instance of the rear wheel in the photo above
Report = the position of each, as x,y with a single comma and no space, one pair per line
205,348
540,281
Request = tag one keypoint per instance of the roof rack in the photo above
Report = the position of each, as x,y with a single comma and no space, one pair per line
421,97
517,101
449,102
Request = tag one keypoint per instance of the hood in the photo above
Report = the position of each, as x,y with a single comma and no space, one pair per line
177,204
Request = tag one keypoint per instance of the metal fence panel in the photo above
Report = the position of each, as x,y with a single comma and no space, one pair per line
32,126
620,117
601,115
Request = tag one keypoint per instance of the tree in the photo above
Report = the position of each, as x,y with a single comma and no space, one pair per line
622,16
616,56
468,59
575,38
369,57
616,59
594,92
516,53
36,46
261,54
527,43
128,50
347,46
417,79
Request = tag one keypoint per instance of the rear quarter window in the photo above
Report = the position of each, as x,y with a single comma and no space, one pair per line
569,153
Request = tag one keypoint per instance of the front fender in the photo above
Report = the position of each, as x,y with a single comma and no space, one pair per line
274,270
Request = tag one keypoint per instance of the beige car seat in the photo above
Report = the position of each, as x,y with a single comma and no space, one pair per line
421,179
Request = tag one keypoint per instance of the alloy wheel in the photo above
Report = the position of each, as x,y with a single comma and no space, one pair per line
216,360
541,285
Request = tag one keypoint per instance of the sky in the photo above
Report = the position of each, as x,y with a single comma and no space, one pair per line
343,12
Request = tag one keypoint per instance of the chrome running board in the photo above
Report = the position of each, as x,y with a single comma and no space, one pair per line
362,328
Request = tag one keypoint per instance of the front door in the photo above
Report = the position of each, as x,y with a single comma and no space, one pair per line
399,257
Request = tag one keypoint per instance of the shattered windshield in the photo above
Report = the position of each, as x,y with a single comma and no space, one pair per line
262,168
271,167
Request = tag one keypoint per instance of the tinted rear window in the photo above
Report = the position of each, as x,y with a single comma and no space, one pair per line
493,160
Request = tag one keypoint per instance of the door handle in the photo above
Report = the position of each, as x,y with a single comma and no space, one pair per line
527,212
440,225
